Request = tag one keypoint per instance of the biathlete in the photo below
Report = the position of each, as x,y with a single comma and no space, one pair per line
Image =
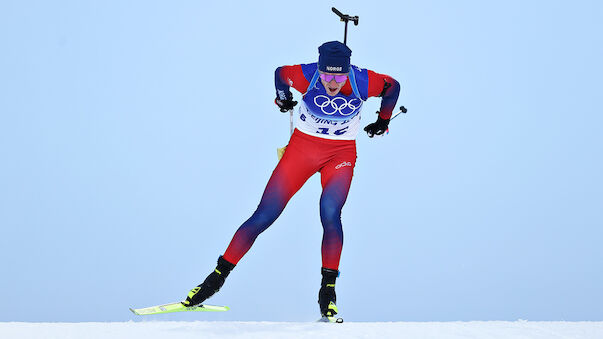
326,126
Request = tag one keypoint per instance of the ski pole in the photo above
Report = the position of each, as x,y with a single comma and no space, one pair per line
402,110
281,150
291,122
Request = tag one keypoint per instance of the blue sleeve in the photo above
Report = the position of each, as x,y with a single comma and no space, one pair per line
282,89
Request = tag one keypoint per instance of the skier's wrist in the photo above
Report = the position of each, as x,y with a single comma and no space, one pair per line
283,95
384,115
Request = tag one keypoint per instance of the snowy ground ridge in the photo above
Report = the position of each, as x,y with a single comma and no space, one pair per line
232,329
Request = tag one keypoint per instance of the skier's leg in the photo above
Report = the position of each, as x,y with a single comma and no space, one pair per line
336,178
288,177
290,174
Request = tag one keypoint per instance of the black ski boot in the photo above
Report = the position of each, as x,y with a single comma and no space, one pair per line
211,285
326,295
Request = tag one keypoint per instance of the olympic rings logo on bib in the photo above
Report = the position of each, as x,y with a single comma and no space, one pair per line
337,105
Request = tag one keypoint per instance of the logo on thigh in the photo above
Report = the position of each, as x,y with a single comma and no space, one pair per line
343,164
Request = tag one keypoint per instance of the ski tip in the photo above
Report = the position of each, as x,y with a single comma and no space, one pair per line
212,308
133,311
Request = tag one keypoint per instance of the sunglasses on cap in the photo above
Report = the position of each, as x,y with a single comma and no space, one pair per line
329,77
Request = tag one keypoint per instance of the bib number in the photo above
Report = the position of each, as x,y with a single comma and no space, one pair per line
331,131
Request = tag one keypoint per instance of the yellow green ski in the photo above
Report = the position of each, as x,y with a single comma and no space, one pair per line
177,307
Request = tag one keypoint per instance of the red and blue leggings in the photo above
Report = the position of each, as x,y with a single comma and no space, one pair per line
304,156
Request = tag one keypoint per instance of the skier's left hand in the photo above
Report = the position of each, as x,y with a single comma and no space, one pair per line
377,128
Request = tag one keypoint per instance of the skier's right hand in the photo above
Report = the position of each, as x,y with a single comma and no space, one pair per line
285,105
284,100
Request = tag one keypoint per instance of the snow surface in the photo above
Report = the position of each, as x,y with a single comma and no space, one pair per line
230,329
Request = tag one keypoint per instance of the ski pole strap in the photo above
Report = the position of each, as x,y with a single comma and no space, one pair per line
313,81
353,83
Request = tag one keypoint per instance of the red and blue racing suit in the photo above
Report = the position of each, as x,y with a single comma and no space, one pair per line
323,141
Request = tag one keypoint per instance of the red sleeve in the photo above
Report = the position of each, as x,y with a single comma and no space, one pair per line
293,76
382,85
376,83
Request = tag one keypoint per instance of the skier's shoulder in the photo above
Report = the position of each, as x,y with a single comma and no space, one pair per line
361,77
366,74
309,70
370,82
361,74
358,69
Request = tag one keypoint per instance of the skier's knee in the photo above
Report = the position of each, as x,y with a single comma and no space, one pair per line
262,219
330,212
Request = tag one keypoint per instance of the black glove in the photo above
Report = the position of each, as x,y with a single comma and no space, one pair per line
285,105
377,128
284,100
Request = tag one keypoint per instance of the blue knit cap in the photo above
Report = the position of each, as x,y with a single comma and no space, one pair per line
334,57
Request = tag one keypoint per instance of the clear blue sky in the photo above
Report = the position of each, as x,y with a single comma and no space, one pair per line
136,136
